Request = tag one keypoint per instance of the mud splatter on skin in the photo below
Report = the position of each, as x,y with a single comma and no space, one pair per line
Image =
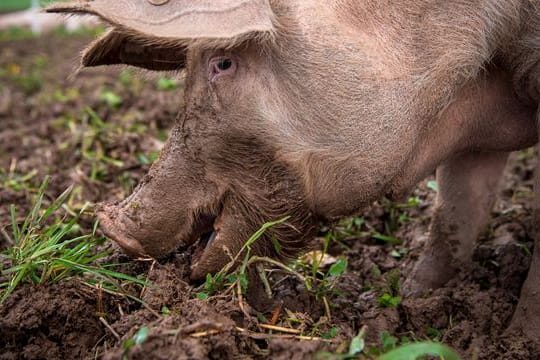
471,313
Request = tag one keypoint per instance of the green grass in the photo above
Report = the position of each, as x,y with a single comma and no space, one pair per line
390,350
48,248
14,5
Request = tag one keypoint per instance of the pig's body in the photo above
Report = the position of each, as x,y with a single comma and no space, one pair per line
313,109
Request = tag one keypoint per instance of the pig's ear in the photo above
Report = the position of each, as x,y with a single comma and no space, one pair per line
117,47
181,21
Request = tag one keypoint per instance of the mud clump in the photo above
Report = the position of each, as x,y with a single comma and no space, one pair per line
53,322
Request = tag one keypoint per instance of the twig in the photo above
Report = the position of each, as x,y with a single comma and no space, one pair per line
279,328
197,326
205,333
268,260
154,312
193,330
143,290
264,336
7,237
109,327
241,299
264,279
327,308
275,314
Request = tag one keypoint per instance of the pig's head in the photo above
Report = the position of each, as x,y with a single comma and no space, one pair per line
266,131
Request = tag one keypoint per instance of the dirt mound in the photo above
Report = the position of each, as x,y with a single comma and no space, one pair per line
53,322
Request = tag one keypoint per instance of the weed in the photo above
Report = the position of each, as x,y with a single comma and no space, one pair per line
394,215
112,99
126,78
356,347
391,350
16,33
321,283
149,158
388,301
16,181
139,338
390,292
432,185
239,277
418,350
167,84
91,134
47,250
65,95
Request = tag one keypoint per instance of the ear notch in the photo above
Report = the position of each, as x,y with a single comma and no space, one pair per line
117,47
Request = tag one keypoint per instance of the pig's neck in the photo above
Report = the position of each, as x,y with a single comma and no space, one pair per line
485,115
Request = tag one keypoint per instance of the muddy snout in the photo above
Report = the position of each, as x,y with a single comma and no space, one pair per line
114,225
139,230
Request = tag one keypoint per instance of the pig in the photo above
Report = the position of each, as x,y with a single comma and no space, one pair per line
311,110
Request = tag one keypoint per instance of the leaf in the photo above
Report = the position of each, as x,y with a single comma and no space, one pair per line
141,336
432,185
388,301
387,239
416,350
357,345
209,283
167,84
388,341
338,268
202,296
111,99
165,310
332,333
128,344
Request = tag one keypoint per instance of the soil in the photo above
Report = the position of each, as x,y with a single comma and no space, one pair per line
46,128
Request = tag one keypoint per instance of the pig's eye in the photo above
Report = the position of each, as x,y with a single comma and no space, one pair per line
221,66
224,64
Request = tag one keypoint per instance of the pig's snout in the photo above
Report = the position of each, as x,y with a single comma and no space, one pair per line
115,225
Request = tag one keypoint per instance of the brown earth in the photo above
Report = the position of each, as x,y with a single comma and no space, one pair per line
46,128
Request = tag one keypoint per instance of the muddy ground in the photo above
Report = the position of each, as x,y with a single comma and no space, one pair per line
48,126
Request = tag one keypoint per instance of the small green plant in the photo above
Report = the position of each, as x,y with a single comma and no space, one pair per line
91,137
388,301
16,33
432,185
167,84
126,78
391,350
390,293
419,350
224,278
16,181
112,99
139,338
356,347
48,249
148,159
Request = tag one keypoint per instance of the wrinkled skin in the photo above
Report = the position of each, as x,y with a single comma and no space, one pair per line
349,101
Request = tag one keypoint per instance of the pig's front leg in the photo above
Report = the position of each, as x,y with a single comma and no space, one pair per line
467,190
527,314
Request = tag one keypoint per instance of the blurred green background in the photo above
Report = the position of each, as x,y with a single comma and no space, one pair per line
14,5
